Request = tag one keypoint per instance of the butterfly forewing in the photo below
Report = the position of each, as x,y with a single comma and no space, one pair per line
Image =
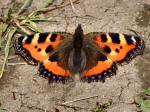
120,47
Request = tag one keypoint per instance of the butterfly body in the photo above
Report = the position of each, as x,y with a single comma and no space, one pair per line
94,56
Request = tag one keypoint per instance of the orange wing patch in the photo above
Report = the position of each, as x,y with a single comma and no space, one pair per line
120,47
38,47
50,69
104,68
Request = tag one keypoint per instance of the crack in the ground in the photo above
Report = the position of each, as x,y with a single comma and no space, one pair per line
22,104
120,95
122,91
37,108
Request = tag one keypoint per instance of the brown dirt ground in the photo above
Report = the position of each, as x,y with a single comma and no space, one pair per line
34,94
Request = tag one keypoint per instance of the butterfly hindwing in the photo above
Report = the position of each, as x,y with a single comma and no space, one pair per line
51,69
105,67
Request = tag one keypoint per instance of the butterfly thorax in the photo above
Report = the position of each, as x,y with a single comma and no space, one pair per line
78,53
77,57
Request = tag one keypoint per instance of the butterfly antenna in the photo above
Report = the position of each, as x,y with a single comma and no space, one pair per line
78,37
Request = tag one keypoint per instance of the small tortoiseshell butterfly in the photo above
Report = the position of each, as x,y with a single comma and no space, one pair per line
94,55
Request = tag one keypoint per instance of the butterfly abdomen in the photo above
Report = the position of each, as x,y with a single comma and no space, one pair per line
77,61
77,58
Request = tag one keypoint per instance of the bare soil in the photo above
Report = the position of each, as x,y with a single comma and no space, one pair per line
22,90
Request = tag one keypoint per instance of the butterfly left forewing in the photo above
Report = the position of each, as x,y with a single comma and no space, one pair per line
37,47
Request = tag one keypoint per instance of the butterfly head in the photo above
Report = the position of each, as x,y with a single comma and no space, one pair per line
78,38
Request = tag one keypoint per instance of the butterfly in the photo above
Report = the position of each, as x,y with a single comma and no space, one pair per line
94,56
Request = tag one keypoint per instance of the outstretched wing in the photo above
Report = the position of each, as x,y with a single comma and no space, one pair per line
120,47
50,68
38,47
115,48
105,67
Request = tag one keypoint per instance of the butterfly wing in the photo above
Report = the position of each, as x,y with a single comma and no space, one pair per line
105,67
40,48
120,47
37,47
116,48
50,68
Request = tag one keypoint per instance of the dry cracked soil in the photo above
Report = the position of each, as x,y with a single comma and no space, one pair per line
22,90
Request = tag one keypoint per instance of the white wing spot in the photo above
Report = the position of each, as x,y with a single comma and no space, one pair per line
25,38
133,38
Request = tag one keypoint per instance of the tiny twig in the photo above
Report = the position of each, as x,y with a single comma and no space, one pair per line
25,6
7,50
44,4
93,17
55,7
145,60
36,108
73,8
12,57
74,107
147,97
67,24
78,100
135,32
21,27
14,96
9,58
13,64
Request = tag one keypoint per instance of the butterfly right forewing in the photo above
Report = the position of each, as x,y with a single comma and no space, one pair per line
120,47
